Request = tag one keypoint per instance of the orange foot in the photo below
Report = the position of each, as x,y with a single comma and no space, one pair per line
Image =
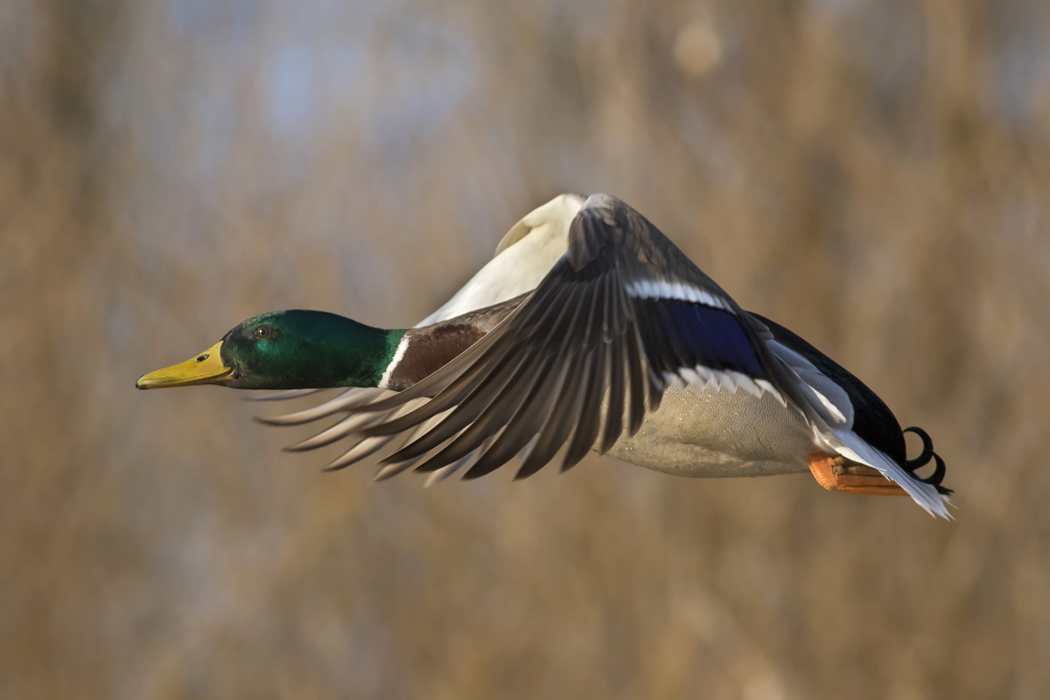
836,474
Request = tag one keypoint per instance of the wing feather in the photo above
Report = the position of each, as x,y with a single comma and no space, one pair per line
581,357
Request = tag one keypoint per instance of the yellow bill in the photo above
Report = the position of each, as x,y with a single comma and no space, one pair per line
206,368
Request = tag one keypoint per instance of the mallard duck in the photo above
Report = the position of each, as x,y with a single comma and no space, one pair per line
589,330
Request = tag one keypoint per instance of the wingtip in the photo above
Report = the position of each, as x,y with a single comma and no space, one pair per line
282,395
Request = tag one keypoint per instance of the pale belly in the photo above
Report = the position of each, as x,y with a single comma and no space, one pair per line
709,433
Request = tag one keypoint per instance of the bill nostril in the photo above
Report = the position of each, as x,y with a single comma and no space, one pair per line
202,358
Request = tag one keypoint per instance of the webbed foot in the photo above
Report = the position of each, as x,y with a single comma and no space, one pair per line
839,474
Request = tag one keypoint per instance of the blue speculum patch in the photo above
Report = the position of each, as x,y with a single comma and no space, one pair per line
702,335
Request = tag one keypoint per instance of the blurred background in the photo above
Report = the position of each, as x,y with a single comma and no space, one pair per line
873,174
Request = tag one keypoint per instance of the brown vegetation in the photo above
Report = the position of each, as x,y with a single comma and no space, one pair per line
875,175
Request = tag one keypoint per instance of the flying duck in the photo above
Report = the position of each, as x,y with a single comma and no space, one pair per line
589,330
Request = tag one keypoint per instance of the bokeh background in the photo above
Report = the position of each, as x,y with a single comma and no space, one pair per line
873,174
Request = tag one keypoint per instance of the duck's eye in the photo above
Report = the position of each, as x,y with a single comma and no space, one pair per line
263,332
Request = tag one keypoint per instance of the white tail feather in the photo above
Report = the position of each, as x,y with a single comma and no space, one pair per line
853,447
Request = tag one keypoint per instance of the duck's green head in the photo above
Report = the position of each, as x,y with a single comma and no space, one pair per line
287,350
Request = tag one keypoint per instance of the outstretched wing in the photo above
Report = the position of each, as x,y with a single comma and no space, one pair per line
618,317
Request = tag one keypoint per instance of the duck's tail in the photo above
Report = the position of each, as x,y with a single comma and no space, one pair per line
927,492
912,465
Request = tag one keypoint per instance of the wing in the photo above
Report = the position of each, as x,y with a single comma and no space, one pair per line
620,316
